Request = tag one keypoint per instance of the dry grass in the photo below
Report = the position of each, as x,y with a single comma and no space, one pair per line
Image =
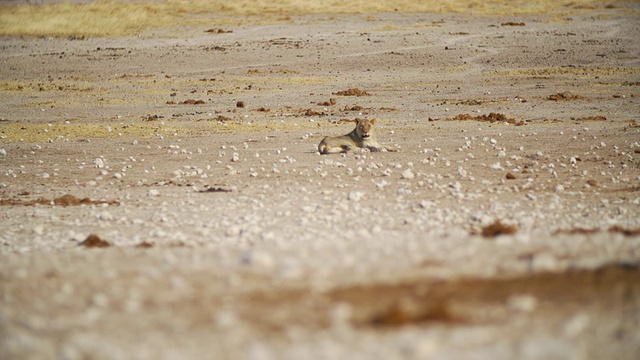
115,18
100,18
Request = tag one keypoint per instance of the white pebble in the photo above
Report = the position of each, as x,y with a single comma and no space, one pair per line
408,174
524,303
356,195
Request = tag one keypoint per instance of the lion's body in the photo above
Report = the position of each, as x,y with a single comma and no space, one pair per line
362,137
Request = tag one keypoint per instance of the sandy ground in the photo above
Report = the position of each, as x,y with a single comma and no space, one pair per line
162,196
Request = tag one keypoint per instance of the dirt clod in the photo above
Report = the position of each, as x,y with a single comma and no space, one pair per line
563,96
498,228
94,241
352,92
218,31
192,102
592,118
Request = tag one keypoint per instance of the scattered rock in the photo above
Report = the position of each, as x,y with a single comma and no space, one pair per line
510,176
99,163
512,23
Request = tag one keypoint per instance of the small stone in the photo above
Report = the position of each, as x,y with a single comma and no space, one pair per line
356,195
576,325
524,303
99,163
153,192
257,258
407,174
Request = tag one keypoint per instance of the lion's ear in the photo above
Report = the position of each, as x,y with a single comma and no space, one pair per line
373,121
356,120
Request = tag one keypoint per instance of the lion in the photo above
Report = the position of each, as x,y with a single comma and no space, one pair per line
361,137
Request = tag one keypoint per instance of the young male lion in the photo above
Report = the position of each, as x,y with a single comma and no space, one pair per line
361,137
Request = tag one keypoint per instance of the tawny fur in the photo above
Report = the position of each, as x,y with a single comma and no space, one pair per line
362,137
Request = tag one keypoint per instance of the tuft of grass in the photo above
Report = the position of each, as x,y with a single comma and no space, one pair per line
120,18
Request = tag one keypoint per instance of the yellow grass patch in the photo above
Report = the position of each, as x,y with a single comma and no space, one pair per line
32,87
115,18
567,71
74,131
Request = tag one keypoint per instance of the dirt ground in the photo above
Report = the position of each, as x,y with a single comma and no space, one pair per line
162,196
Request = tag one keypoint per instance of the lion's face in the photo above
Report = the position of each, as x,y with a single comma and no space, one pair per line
364,128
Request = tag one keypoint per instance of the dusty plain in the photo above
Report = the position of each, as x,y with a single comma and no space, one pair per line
162,196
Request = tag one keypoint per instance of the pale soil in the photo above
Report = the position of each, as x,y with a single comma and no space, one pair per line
232,238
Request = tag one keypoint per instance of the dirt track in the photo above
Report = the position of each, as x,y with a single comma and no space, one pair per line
220,232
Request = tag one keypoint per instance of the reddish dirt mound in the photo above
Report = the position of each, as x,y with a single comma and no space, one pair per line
93,241
498,228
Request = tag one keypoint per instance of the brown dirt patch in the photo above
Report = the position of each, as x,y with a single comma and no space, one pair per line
352,92
64,200
491,118
563,96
